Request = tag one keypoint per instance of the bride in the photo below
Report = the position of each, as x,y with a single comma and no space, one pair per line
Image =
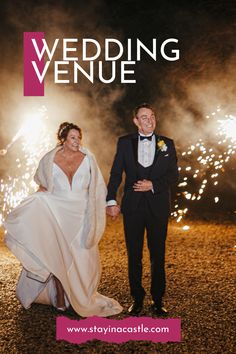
55,232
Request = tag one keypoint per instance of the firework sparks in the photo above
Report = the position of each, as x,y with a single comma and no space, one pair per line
34,139
209,161
186,227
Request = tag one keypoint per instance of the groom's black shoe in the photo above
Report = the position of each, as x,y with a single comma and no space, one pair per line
135,308
158,310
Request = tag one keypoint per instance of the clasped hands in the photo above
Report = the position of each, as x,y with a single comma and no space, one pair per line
113,211
139,186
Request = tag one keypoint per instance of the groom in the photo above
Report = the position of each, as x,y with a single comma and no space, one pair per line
150,166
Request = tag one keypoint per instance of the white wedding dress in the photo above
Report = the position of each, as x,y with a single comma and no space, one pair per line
44,232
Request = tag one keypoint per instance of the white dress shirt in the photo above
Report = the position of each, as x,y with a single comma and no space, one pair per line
146,150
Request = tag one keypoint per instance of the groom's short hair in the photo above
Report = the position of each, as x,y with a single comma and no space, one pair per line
142,105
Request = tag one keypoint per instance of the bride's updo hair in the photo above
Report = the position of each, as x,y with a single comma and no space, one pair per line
64,129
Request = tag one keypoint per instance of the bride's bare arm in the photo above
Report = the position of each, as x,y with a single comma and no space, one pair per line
41,189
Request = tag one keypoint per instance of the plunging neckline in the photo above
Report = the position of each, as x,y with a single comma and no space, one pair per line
70,184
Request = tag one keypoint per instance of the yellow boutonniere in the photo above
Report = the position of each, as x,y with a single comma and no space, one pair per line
161,145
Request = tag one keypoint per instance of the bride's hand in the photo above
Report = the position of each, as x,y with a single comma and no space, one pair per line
42,189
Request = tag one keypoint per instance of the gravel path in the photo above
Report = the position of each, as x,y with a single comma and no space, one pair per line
200,266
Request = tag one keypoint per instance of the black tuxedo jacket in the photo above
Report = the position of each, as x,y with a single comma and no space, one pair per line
163,173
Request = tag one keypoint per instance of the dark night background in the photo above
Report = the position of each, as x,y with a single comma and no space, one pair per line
205,30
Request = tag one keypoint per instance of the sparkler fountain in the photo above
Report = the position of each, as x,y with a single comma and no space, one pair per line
201,164
34,139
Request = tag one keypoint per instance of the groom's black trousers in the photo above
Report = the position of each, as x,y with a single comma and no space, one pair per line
135,224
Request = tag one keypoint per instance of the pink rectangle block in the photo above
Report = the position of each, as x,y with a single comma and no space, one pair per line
118,331
32,85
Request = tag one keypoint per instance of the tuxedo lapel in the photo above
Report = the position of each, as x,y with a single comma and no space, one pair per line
157,150
135,148
157,154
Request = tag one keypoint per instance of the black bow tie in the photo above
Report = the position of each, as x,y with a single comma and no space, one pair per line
145,137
